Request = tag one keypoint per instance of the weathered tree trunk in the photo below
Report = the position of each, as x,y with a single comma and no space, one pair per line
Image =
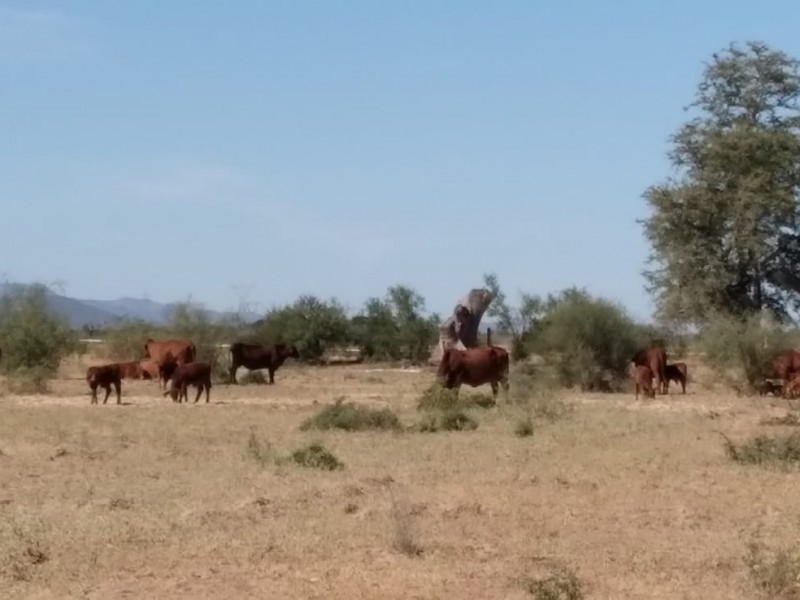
461,329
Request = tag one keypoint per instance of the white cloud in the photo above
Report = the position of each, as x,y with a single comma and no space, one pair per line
39,35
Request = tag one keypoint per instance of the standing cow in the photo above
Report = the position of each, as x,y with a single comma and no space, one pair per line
643,381
105,376
255,356
654,357
165,351
474,366
786,365
678,373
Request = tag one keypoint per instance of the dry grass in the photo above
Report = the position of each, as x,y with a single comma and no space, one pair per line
155,499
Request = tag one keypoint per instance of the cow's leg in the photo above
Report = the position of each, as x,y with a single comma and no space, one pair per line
108,392
93,387
636,391
271,375
234,367
208,390
495,389
118,389
199,391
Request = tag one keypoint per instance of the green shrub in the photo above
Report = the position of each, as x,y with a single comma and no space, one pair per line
311,324
742,351
394,328
765,450
563,585
316,456
535,388
34,341
775,571
352,417
586,340
453,419
437,397
126,341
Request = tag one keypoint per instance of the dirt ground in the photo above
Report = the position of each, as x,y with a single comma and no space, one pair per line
159,500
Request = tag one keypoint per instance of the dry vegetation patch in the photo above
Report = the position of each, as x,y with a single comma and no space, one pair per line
159,500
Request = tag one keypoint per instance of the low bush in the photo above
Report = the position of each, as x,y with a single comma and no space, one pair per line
447,420
764,449
352,417
316,456
251,378
437,397
562,585
775,571
524,427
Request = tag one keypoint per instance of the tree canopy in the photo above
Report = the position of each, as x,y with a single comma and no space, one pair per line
724,230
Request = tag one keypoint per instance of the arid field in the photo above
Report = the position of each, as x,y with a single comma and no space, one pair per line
152,499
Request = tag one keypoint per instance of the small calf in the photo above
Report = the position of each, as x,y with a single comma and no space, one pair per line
105,376
676,372
770,387
197,374
643,380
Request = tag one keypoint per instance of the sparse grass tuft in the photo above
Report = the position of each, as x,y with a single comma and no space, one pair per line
765,450
352,417
790,418
404,538
260,451
776,572
562,585
524,427
252,378
30,380
316,456
447,420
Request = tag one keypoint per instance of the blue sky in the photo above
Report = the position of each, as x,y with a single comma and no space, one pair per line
220,150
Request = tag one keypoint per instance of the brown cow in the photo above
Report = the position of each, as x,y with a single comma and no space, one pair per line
131,370
792,388
474,366
181,351
643,381
255,356
149,368
105,376
786,365
676,372
656,358
197,374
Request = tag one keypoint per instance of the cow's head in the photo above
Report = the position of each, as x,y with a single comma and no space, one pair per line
290,351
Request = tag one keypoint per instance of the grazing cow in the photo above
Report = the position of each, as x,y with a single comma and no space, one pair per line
676,372
786,365
197,374
770,387
656,358
181,351
255,356
643,381
105,376
474,366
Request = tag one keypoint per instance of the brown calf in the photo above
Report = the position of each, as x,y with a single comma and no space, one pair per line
162,351
656,358
676,372
643,381
197,374
105,376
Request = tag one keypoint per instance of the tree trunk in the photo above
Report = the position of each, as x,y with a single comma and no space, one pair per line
461,330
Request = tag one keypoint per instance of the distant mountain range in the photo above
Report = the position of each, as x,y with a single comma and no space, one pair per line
101,313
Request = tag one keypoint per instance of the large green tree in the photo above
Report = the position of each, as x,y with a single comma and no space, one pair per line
724,231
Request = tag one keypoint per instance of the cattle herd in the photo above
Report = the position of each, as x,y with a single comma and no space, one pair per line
173,363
